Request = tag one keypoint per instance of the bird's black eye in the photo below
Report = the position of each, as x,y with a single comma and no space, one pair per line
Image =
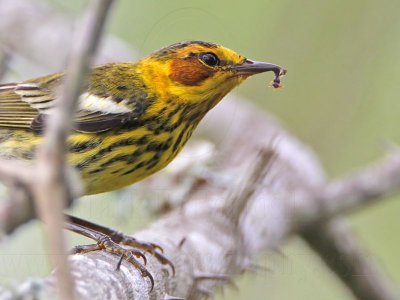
209,59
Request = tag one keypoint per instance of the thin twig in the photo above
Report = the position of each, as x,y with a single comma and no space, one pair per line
350,192
337,246
18,208
51,188
238,197
11,170
4,60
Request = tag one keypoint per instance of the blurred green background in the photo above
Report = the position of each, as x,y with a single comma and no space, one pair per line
341,96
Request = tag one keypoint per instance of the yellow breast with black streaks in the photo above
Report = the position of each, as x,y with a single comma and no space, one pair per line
112,160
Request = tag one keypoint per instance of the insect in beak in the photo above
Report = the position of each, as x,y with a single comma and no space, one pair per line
251,67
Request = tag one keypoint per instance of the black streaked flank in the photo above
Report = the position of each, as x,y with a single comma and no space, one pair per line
83,146
143,140
138,166
101,152
174,111
159,146
185,115
95,171
179,139
152,162
162,110
189,132
120,157
132,157
154,146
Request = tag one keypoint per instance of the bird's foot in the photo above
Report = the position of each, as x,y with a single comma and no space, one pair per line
151,248
115,242
105,243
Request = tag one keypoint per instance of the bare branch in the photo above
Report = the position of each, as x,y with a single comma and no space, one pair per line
353,192
238,198
11,170
17,209
4,59
336,245
51,189
335,242
200,237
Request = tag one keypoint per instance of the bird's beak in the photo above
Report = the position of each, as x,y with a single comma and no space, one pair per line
251,67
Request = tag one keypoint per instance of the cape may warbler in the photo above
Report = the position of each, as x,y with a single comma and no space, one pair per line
134,117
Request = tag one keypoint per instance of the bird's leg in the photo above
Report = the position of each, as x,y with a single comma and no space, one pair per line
115,235
104,242
92,230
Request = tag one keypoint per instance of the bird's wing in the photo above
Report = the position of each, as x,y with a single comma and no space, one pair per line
13,111
27,105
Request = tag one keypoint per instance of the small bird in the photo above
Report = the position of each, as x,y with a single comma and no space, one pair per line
133,118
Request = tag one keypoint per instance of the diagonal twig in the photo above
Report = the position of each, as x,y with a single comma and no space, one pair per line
350,192
337,246
50,188
5,57
238,198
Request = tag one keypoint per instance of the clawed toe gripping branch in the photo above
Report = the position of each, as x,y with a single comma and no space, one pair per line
113,241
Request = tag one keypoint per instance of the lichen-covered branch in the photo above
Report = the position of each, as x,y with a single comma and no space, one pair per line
200,238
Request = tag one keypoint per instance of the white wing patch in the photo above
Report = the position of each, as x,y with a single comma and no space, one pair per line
44,100
94,103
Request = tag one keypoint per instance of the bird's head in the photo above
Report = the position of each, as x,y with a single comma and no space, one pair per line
197,71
